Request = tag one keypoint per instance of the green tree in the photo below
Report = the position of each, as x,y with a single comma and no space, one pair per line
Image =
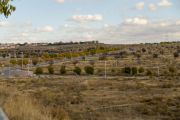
13,62
171,69
3,55
25,61
38,71
6,8
134,70
148,72
89,70
141,70
77,70
63,70
127,70
51,69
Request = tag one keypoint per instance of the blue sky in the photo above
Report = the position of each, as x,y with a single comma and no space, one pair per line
109,21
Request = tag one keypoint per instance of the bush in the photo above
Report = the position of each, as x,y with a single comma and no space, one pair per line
63,70
89,70
3,55
77,70
103,57
38,71
141,70
134,70
112,70
171,69
155,55
148,72
138,55
143,49
165,72
176,54
127,70
99,70
51,69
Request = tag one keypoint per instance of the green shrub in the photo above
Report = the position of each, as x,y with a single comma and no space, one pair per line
148,72
77,70
134,70
171,69
99,70
165,72
112,70
51,69
63,70
89,70
38,71
141,70
127,70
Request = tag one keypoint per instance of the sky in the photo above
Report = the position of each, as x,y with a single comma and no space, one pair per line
108,21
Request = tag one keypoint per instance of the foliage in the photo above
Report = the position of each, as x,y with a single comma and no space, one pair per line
99,70
148,72
143,49
176,54
127,70
141,70
138,55
89,70
38,71
155,55
77,70
3,55
102,57
13,61
171,69
45,56
6,8
63,70
75,62
51,69
34,62
134,70
113,70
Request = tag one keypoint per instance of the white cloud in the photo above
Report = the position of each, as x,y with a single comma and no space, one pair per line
60,1
116,9
178,23
27,23
125,8
142,16
105,25
45,29
164,3
152,7
77,9
24,34
85,18
136,21
139,6
6,24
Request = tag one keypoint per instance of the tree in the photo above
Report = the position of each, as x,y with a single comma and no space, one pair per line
141,70
143,49
34,62
6,8
171,69
3,55
155,55
13,62
38,71
63,70
148,72
127,70
77,70
134,70
19,62
89,70
176,55
51,69
25,61
138,55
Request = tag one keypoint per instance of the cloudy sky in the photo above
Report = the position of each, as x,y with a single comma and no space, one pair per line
109,21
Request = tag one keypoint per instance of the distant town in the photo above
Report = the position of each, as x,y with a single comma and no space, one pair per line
13,46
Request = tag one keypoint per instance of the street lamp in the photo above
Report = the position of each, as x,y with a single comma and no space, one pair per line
9,65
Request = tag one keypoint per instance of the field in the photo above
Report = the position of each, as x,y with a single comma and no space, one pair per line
148,98
115,62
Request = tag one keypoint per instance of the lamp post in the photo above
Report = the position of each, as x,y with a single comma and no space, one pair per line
9,65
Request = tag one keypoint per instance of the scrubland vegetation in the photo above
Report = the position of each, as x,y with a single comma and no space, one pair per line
90,98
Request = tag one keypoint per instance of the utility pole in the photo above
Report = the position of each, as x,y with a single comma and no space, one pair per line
28,67
9,65
105,68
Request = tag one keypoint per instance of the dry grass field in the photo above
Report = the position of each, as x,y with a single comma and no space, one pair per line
36,98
